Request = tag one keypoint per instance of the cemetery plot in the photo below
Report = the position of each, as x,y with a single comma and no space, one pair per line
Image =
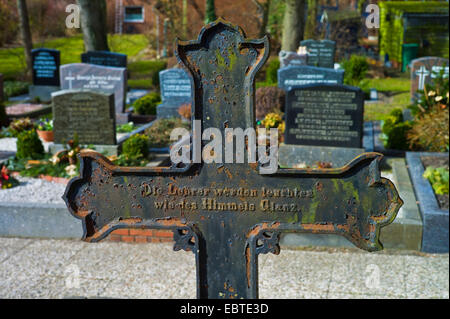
325,115
227,214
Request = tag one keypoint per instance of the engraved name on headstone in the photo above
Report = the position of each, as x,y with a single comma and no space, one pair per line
46,63
176,90
89,114
105,58
320,53
304,75
96,78
324,115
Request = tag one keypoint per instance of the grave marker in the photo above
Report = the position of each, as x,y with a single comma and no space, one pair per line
228,214
320,53
305,75
99,79
324,115
105,58
424,70
45,67
292,58
176,90
89,114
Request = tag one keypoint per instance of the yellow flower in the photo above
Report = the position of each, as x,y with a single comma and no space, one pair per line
438,98
431,93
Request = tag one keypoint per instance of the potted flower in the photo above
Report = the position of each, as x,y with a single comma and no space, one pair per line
45,130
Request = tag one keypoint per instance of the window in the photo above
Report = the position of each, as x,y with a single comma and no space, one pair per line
134,14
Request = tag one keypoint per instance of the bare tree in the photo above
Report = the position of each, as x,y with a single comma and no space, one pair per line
263,10
293,25
25,32
93,24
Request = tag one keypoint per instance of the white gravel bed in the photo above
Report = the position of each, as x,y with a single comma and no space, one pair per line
8,144
33,190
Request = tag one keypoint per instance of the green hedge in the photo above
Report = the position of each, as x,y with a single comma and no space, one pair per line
391,23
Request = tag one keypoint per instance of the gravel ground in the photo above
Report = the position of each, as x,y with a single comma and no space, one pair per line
8,144
62,268
33,190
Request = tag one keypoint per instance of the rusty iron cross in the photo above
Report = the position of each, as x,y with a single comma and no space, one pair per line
227,214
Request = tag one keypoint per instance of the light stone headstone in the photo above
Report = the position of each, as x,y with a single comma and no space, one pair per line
89,114
96,78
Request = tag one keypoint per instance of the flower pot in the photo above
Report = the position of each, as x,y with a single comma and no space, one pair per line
47,136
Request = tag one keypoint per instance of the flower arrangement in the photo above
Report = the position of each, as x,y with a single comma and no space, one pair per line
6,180
45,125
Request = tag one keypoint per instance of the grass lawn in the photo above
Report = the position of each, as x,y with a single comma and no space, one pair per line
401,84
13,62
379,111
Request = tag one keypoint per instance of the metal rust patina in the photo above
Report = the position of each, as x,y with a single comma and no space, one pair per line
227,214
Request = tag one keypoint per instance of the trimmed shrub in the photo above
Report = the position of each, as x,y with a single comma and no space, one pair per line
269,99
29,146
395,131
355,69
147,104
137,146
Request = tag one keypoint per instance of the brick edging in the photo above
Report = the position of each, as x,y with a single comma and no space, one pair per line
141,236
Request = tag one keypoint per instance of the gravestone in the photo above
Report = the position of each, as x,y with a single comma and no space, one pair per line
320,53
91,115
324,115
305,75
288,58
105,58
176,90
324,124
99,79
228,214
45,66
423,71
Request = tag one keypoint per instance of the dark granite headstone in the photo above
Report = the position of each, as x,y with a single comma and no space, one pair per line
320,53
105,58
304,75
324,115
89,114
96,78
424,70
288,58
176,90
46,67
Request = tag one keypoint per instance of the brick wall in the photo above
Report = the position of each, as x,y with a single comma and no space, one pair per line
141,236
